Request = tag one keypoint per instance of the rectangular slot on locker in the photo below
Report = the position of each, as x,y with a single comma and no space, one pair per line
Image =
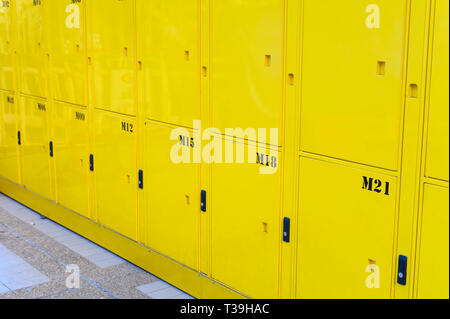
381,68
413,91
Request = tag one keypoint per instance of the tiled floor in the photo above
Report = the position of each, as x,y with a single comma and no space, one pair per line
35,253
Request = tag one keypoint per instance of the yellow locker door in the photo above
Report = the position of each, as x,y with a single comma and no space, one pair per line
32,47
438,126
247,63
433,281
169,38
115,172
35,146
8,138
6,47
68,51
245,234
110,26
172,195
353,53
71,157
346,232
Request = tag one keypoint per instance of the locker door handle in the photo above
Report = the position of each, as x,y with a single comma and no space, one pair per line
91,162
287,230
51,149
203,201
141,179
402,270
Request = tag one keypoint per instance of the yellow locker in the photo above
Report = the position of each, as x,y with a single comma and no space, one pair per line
71,157
346,231
110,26
247,63
245,233
68,51
169,38
8,138
114,164
35,146
433,281
438,126
6,47
172,194
352,68
32,46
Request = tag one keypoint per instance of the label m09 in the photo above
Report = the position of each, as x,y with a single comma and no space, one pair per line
376,185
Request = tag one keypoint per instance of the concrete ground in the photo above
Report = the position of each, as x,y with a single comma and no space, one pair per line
41,259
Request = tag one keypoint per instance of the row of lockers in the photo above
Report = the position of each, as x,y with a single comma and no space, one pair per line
68,133
98,47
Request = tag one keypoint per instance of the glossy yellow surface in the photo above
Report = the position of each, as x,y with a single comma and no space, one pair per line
245,233
246,63
438,126
67,46
32,47
433,281
343,228
172,198
350,109
35,150
6,48
169,34
358,91
115,173
8,138
111,52
71,157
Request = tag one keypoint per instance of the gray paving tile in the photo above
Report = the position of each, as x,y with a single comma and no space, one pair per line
16,273
162,290
3,289
92,252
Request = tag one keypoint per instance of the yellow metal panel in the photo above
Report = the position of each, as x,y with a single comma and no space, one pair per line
6,47
170,54
352,80
115,172
111,50
245,234
68,51
8,138
438,127
71,157
35,146
32,46
433,281
172,197
246,63
345,226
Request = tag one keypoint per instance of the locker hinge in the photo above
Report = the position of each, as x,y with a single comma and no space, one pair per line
19,140
402,270
91,162
287,230
51,148
141,179
203,201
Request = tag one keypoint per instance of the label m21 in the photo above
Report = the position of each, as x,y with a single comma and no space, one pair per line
375,185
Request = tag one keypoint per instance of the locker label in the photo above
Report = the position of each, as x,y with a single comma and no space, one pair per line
36,2
187,141
80,116
5,4
376,185
127,127
266,160
41,107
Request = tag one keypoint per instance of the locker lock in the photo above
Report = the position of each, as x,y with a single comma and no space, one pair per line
203,201
51,149
91,162
141,179
402,270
